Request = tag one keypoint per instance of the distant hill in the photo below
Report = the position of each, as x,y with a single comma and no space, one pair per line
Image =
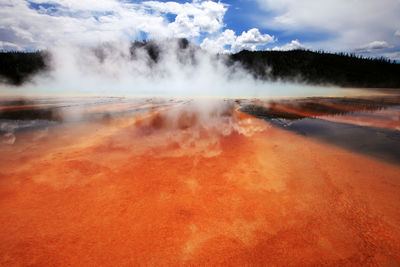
320,68
297,65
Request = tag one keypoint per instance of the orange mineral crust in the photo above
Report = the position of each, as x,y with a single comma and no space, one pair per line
180,187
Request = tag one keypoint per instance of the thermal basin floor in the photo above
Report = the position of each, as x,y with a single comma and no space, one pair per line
202,190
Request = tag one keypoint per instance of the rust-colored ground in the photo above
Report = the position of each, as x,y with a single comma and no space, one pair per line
181,188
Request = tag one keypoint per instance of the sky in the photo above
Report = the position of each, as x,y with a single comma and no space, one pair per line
365,27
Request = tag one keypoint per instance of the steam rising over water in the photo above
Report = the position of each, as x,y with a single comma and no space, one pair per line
158,68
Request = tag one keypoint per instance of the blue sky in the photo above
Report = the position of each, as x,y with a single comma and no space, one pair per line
367,27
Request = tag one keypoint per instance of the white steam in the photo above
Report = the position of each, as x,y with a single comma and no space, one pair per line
169,69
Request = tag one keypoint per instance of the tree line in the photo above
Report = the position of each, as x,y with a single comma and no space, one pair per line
18,67
346,70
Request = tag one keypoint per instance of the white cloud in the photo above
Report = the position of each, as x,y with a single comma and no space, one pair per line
346,24
294,44
392,55
192,18
92,22
71,23
375,45
228,37
82,5
250,40
96,21
9,46
397,33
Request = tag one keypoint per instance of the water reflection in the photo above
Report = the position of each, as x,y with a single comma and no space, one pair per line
364,125
18,115
368,125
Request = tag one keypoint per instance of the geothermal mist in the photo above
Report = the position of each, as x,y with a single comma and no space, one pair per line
172,67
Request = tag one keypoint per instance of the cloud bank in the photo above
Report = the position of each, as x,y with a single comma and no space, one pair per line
39,24
375,45
332,25
295,44
336,25
229,42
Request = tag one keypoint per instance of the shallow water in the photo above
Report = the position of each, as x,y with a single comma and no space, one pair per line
120,181
370,126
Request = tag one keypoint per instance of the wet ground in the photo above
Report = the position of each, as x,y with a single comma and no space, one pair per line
121,182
